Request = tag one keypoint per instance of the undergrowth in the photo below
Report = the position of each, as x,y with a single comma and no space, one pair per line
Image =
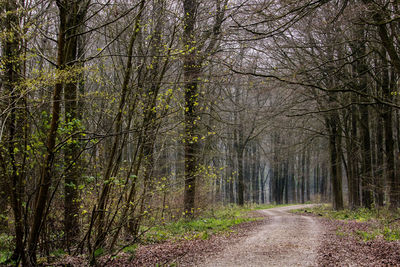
5,247
214,220
381,223
218,219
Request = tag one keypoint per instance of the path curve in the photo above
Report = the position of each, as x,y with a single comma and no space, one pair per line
285,240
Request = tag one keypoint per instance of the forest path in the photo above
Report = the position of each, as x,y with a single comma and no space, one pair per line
285,240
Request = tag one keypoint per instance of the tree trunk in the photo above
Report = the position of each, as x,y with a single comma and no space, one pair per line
308,176
379,178
247,174
335,160
366,158
255,171
292,183
366,169
46,169
74,19
14,167
354,158
286,180
191,72
302,187
394,187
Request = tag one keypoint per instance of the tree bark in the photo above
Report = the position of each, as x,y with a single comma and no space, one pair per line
191,72
394,186
240,188
354,158
303,173
14,167
361,69
74,19
335,160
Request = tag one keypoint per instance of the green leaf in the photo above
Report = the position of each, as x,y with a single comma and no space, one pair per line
98,252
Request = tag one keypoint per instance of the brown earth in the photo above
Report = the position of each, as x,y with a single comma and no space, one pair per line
341,246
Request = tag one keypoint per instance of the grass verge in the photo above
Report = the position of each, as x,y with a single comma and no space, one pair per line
212,221
376,223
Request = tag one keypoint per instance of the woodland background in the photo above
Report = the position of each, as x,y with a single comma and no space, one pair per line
119,115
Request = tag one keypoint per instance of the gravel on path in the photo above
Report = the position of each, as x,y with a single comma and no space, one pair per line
285,240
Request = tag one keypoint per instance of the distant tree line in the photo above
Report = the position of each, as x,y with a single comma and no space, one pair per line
116,116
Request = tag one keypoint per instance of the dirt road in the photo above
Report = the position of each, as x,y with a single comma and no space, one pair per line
285,240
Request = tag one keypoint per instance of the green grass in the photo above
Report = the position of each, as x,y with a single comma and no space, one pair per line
58,253
267,206
130,249
212,221
388,233
382,222
360,215
341,233
391,234
367,235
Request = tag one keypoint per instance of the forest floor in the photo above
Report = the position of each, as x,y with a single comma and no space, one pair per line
279,237
343,244
285,239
